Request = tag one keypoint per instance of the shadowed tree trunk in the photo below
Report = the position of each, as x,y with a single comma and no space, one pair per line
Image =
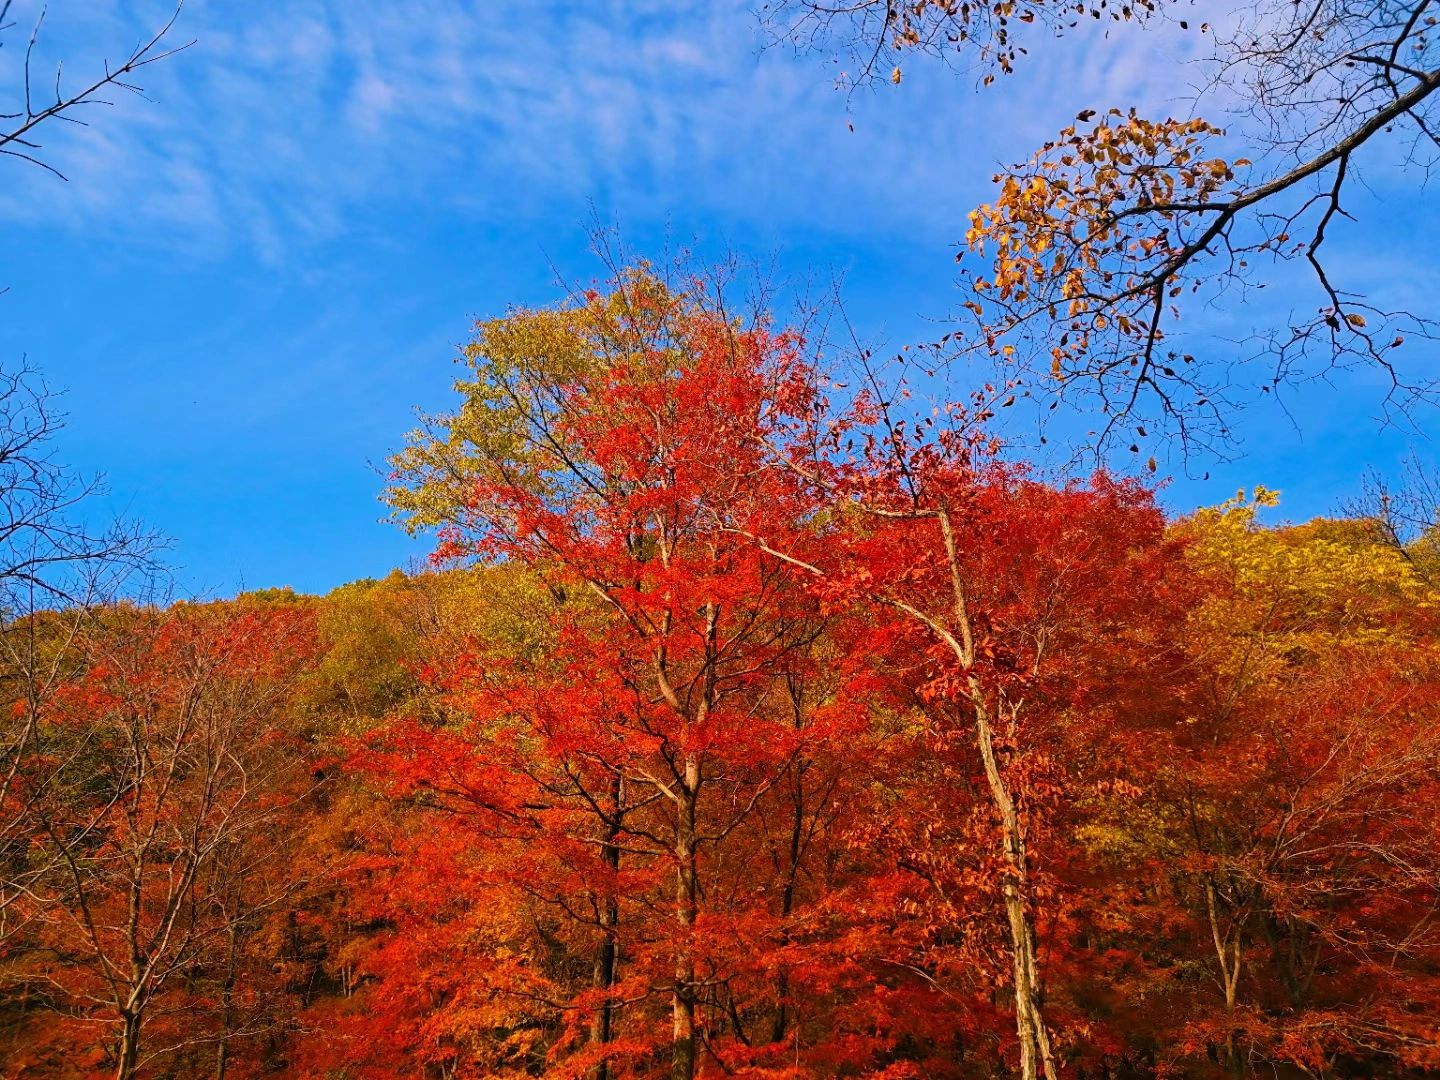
607,953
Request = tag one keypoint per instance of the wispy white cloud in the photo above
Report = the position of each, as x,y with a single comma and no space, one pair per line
293,121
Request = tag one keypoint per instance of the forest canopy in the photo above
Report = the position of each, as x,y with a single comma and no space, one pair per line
738,730
763,710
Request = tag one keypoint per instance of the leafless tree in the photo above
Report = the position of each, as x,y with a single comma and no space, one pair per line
57,564
36,104
160,835
1405,511
1093,247
56,570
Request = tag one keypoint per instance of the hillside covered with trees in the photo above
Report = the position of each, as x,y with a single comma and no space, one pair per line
767,708
738,732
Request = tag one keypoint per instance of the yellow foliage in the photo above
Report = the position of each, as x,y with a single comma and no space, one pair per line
1285,595
379,635
517,370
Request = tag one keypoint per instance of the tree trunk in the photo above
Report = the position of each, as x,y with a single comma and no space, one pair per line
686,901
227,1005
787,905
1227,950
1036,1057
129,1046
1035,1054
602,1027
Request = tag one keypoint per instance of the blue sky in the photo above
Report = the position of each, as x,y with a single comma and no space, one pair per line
254,276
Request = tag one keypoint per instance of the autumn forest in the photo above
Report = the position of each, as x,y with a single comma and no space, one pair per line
767,708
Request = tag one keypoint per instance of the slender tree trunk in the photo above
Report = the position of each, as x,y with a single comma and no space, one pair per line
606,958
686,902
1036,1058
129,1046
227,1006
1227,951
787,905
